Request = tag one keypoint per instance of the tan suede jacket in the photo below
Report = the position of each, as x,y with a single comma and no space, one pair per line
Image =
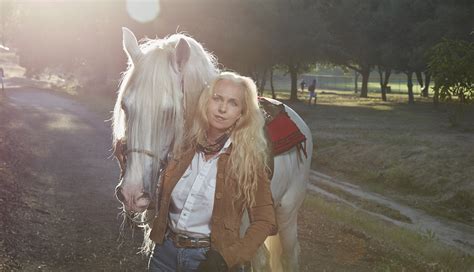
226,214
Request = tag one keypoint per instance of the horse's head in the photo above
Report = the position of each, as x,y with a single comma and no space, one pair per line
157,95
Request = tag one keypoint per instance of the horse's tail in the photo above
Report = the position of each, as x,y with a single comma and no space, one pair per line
275,250
268,256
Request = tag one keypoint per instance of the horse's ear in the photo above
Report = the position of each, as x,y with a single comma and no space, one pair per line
183,51
130,45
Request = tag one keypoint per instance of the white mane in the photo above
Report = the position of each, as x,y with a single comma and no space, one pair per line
152,93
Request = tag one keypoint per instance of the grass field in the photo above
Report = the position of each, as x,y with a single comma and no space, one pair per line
397,82
410,152
335,237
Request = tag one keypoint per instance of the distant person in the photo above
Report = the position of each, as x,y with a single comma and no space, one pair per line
312,92
1,78
302,85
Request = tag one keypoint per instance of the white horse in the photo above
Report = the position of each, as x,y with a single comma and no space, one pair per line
156,99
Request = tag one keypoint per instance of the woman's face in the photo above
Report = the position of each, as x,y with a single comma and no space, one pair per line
225,106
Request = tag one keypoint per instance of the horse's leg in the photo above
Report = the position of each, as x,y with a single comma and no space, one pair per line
289,242
287,216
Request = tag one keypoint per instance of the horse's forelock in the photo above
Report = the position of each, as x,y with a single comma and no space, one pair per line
200,70
155,86
152,86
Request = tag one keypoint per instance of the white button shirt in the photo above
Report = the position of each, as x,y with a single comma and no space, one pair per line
192,199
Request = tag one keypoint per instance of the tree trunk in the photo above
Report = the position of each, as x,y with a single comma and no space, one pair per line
411,98
263,81
4,18
384,78
253,72
293,69
426,86
271,83
365,72
419,78
356,79
382,87
436,96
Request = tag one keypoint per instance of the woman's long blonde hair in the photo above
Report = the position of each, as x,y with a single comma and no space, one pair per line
248,160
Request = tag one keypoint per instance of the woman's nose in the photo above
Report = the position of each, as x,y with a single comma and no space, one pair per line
222,107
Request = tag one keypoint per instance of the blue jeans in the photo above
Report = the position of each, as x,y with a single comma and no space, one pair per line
168,258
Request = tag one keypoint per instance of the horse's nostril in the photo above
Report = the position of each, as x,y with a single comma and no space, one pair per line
143,201
145,195
119,194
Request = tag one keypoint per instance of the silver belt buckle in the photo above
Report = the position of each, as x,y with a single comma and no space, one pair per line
180,238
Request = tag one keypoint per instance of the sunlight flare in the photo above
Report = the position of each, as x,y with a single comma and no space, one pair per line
143,11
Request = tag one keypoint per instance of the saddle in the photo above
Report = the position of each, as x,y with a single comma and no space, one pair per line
282,133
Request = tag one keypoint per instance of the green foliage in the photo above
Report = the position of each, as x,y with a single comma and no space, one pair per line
451,62
430,235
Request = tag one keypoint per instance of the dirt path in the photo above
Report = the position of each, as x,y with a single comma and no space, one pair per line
452,233
68,220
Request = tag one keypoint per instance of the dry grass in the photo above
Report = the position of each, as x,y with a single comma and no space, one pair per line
410,152
335,237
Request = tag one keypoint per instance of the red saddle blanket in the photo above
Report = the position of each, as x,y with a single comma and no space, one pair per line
282,131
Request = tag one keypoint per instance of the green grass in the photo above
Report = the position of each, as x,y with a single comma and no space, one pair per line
412,153
424,249
409,152
397,82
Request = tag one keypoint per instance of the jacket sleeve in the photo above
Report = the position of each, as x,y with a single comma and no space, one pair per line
262,224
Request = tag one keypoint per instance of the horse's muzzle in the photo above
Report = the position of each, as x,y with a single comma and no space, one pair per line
133,204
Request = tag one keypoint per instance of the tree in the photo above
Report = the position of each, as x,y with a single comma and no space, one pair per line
353,40
8,16
295,42
451,64
421,24
66,42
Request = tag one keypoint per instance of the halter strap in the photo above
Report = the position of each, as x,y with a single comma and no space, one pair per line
141,151
121,151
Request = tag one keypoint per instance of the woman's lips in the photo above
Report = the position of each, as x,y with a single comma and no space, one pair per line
219,118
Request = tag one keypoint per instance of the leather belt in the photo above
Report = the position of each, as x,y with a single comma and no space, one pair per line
182,240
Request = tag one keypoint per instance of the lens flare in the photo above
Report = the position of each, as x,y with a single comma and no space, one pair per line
143,11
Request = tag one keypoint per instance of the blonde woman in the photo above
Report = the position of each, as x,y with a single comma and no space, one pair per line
206,188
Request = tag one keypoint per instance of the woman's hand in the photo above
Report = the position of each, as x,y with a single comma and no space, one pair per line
214,262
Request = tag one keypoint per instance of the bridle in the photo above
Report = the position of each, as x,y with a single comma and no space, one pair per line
121,152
